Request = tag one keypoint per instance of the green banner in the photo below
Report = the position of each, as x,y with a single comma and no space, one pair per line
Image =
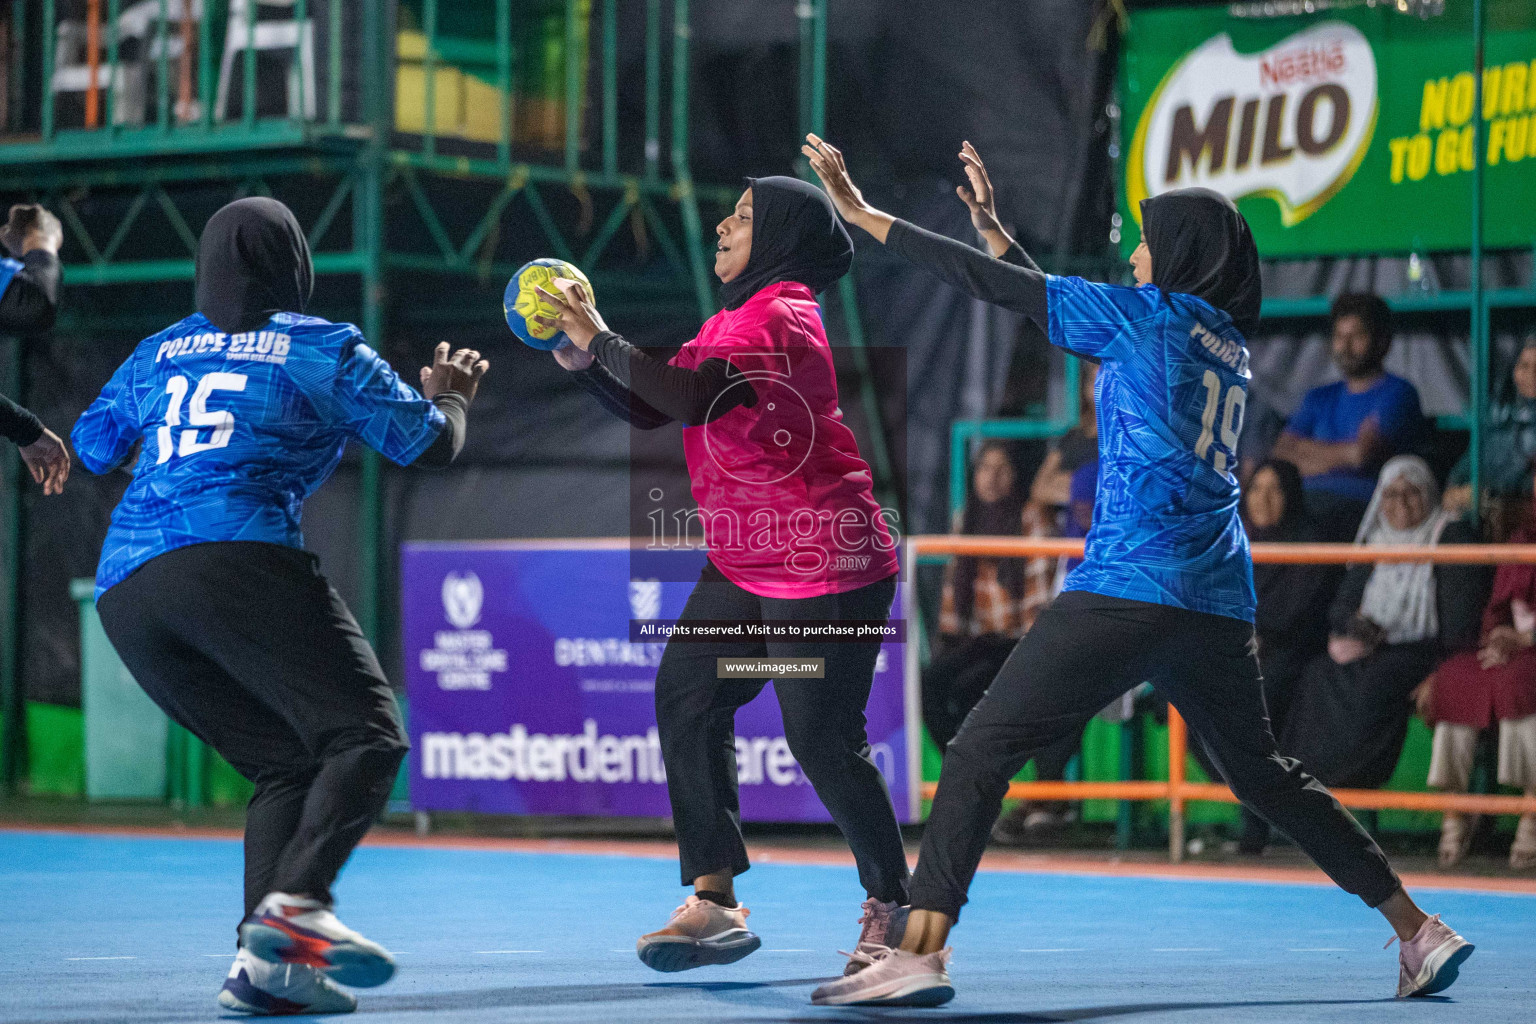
1348,131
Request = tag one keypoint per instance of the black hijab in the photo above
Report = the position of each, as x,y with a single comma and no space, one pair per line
1201,246
796,236
1292,614
252,261
1293,524
1001,518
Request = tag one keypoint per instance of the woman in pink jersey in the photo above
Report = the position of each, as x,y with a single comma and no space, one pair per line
794,532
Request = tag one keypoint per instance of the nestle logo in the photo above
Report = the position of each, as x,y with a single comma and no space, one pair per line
1302,64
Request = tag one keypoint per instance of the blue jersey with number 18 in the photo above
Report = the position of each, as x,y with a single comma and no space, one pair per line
238,429
1170,397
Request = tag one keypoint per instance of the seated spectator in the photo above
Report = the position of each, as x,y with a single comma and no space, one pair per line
1291,621
1509,441
1049,492
1029,817
1391,624
1474,690
1262,425
988,603
1344,431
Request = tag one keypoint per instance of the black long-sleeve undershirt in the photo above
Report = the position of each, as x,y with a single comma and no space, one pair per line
649,392
28,307
1016,255
1013,282
31,300
450,441
18,424
599,382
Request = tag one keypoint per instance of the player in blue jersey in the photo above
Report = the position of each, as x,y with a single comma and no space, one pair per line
1165,590
237,414
29,289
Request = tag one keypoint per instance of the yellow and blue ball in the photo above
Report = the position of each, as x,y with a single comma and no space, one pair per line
522,303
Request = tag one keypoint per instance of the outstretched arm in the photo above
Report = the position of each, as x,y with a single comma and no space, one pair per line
450,383
1014,286
980,199
692,396
598,381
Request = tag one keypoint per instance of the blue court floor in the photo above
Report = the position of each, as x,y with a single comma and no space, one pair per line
102,928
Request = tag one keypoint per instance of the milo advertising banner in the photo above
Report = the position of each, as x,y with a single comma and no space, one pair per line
1347,131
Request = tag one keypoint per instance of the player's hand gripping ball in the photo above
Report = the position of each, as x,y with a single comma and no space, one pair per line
522,302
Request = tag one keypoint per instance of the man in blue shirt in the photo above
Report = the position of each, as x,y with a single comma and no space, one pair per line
235,415
1165,589
1343,432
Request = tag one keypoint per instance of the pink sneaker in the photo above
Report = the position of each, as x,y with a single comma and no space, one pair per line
891,977
699,933
875,933
1430,961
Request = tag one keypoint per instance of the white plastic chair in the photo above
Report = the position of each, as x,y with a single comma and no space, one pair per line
72,72
292,35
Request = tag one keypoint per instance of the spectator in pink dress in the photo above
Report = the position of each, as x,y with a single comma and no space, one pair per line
1476,690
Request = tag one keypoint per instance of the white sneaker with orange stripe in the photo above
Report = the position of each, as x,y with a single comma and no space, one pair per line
286,929
260,989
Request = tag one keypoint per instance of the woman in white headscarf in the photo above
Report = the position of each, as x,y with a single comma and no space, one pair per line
1391,623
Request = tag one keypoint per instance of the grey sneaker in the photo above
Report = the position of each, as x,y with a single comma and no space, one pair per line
891,977
877,920
699,933
1429,962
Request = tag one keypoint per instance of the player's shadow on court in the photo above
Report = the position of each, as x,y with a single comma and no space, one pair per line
851,1014
559,995
529,996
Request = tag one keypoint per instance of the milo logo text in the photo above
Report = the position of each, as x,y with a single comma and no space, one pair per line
1292,122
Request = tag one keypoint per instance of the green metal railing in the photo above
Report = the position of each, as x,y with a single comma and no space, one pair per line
366,161
172,120
964,433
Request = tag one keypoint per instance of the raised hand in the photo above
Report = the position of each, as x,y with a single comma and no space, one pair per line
48,461
827,161
460,372
980,199
30,227
574,314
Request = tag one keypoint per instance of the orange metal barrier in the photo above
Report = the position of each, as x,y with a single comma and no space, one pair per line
1177,791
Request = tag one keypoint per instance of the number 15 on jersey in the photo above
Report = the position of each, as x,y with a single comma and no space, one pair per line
199,416
1231,421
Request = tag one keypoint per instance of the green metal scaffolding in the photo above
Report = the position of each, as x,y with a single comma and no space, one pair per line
363,160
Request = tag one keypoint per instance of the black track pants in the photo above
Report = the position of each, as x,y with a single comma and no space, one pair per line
823,723
248,647
1084,651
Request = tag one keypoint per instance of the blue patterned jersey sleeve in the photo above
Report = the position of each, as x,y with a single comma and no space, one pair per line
371,403
9,268
1097,320
106,432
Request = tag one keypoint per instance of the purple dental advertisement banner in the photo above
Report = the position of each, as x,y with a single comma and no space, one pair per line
527,695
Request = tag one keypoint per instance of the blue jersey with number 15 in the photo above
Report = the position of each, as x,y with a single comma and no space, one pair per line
238,429
1170,396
